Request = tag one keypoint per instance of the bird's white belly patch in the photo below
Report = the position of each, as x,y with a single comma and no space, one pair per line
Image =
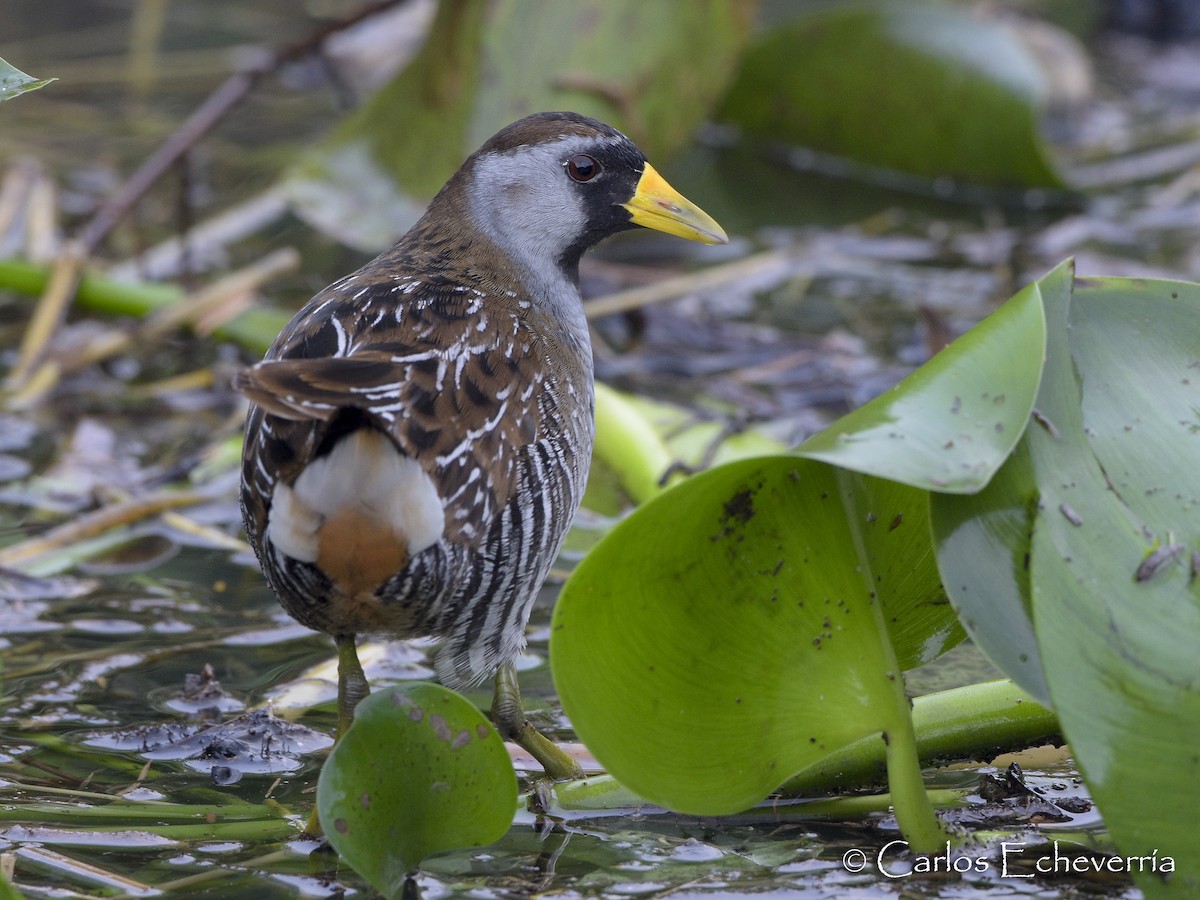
359,513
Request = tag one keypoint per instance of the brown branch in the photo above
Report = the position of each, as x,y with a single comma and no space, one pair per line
231,92
53,305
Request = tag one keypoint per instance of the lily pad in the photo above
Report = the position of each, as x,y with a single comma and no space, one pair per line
420,771
925,88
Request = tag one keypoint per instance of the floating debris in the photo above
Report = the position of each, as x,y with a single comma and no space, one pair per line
257,743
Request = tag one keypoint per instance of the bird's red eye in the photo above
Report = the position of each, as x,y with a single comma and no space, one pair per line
582,168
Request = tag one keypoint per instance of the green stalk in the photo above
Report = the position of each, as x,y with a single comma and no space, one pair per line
253,329
628,443
977,721
125,811
915,815
215,874
261,830
973,722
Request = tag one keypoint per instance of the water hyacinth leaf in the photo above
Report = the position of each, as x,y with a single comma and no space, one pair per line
953,422
1073,569
420,771
890,522
983,539
925,88
730,633
14,82
983,546
652,69
1113,583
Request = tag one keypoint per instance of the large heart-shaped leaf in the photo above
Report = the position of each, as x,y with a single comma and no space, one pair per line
1115,601
983,538
1075,568
732,632
420,771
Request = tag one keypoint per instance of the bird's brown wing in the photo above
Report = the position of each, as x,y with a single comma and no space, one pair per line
308,390
463,414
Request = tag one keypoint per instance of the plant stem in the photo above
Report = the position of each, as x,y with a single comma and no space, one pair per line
254,329
915,815
628,443
977,721
972,722
213,874
91,524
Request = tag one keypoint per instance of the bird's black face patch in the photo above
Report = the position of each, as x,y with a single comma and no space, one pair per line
612,179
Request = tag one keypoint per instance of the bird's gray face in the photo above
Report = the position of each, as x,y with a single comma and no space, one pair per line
544,207
545,202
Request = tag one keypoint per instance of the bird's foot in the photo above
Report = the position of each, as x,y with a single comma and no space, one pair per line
509,718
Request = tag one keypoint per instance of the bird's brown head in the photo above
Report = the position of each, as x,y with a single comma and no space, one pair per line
551,185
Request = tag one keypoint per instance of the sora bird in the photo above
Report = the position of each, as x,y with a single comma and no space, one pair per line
421,432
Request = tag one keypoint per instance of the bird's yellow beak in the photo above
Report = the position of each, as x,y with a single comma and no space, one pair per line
657,205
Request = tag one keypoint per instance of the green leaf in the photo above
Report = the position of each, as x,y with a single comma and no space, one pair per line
419,772
1074,568
7,891
972,722
731,633
926,88
983,540
1118,631
951,424
651,69
983,546
890,523
13,82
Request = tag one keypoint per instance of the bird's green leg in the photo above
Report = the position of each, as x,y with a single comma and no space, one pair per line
352,683
352,689
509,716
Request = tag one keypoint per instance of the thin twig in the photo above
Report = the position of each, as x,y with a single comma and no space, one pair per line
210,305
96,523
760,268
205,311
76,870
231,92
49,313
204,241
213,874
